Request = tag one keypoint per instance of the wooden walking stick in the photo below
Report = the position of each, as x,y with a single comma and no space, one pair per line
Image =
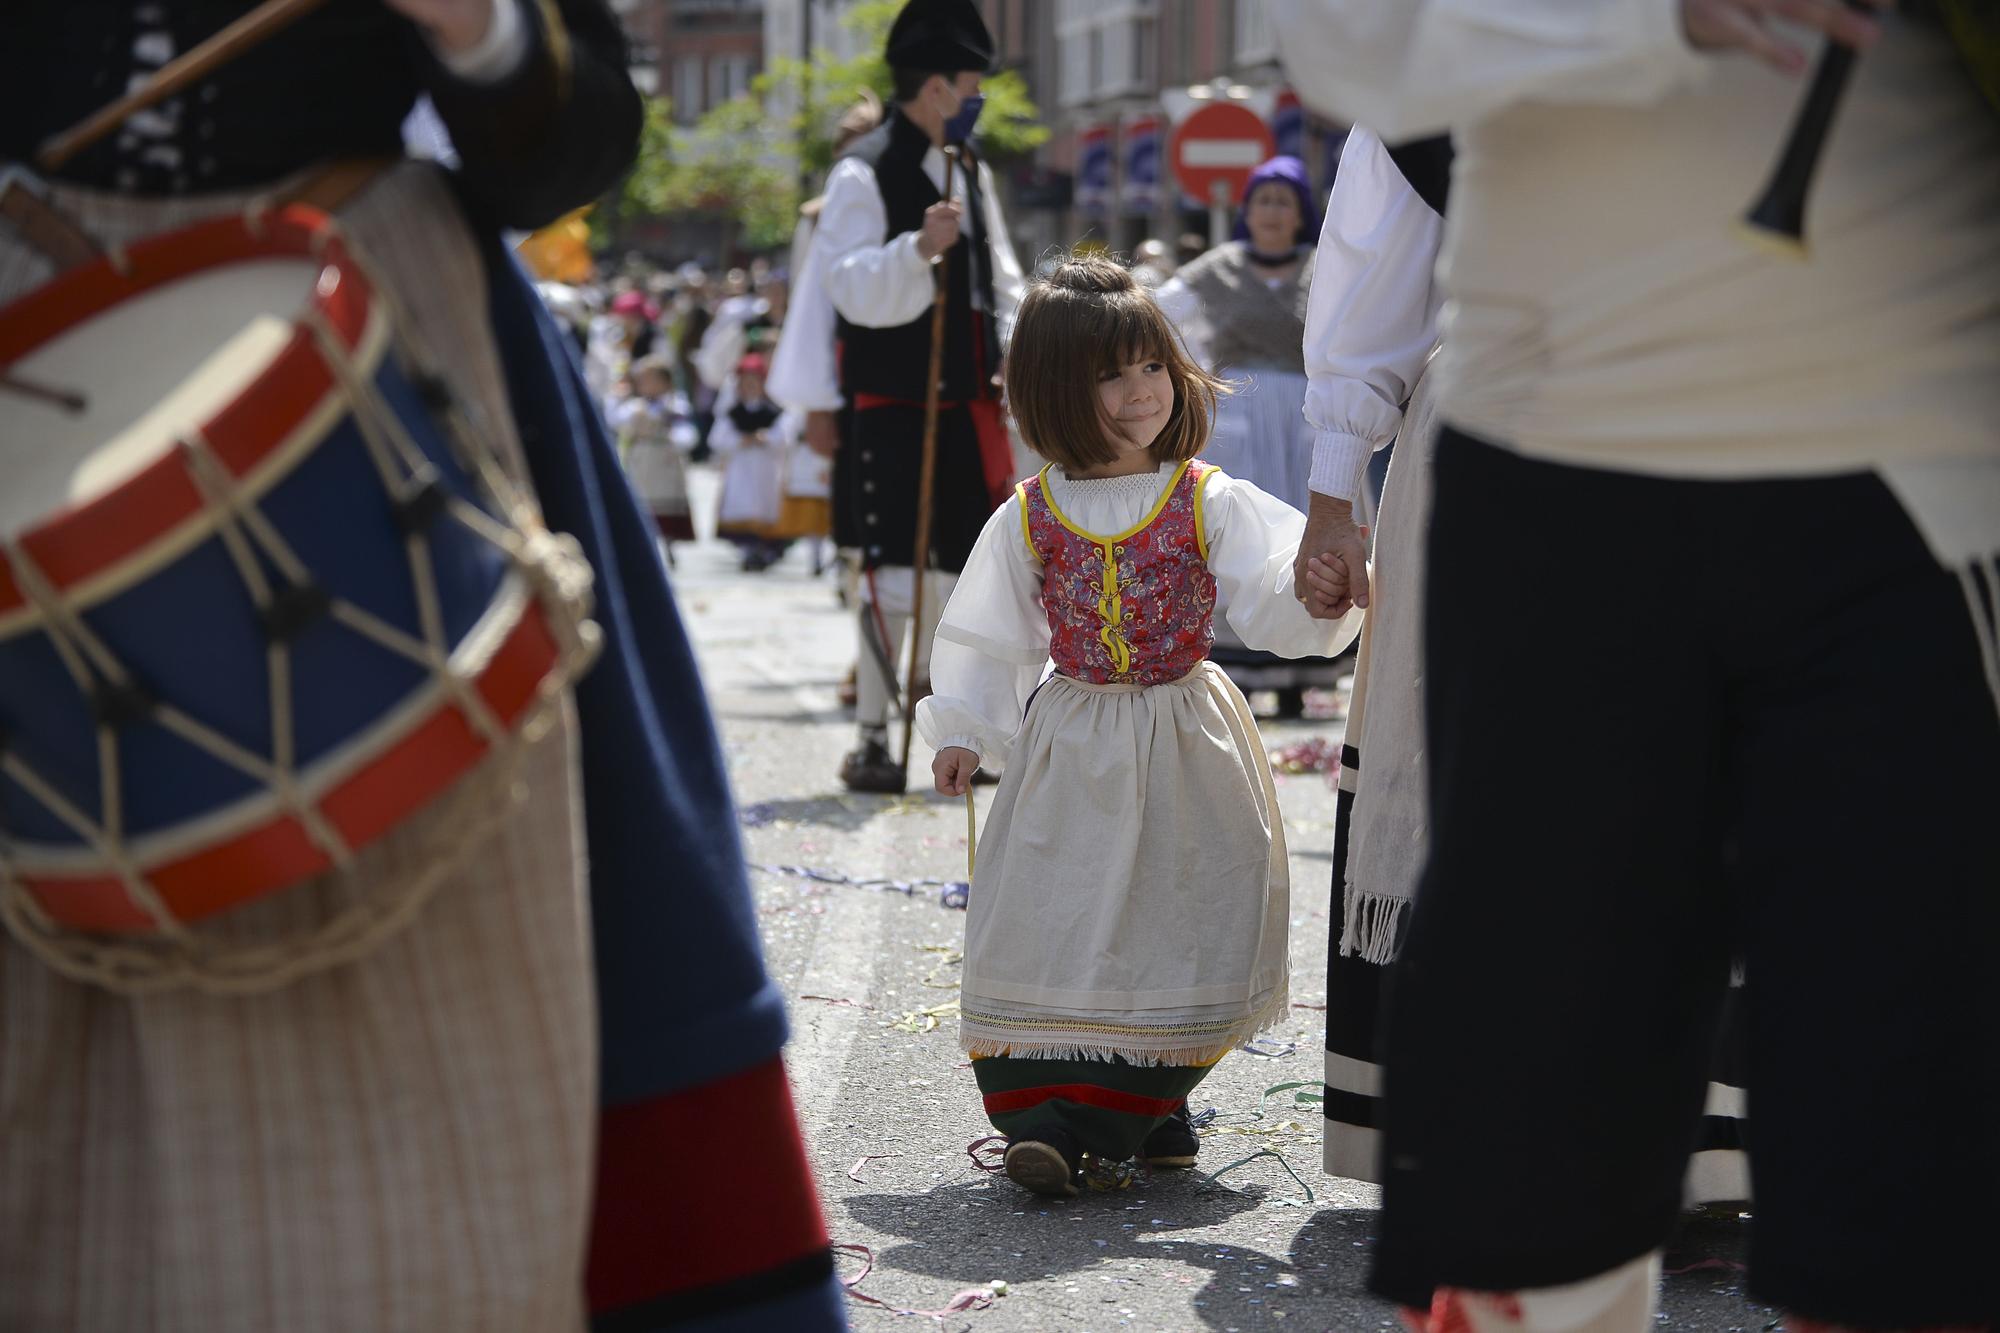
261,23
926,474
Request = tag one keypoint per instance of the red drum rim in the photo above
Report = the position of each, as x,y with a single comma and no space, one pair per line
383,792
81,542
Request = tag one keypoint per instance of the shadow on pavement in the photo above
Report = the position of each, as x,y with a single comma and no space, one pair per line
961,1234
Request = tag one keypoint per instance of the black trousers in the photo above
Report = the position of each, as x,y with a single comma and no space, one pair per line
1757,703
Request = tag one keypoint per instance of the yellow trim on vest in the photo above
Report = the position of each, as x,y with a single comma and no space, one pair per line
1027,530
1200,522
1049,499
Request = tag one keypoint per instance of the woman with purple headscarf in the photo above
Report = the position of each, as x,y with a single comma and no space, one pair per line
1241,309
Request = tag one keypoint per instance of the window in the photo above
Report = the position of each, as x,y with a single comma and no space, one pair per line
728,76
1252,36
687,91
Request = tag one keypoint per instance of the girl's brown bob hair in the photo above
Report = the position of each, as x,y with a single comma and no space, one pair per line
1085,319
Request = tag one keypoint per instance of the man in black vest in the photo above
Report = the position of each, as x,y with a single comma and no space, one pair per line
883,228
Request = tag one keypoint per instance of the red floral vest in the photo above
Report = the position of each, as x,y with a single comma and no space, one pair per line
1133,608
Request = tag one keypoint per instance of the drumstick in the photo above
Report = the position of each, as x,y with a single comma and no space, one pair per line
266,20
67,399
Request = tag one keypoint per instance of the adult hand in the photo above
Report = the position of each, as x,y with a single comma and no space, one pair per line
822,433
940,231
1342,546
454,25
1745,25
953,769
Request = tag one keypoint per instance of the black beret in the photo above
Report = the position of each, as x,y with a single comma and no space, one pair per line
944,36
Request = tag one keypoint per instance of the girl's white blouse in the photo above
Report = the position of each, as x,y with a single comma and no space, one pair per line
993,642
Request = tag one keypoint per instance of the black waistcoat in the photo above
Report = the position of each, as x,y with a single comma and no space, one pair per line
894,362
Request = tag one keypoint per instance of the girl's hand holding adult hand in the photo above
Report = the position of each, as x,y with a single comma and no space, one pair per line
953,769
1329,587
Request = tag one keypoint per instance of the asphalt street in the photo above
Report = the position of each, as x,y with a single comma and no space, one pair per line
888,1102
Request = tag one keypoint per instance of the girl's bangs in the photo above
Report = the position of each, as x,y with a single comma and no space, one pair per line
1130,329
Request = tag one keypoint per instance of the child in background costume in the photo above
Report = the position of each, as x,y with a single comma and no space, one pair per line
752,431
644,423
1128,919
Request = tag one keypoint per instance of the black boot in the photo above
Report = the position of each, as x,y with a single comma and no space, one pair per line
1049,1163
871,768
1173,1142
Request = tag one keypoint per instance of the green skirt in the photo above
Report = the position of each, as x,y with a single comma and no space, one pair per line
1109,1106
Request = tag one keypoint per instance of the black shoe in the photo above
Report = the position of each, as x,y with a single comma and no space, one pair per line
1291,703
985,777
1173,1142
870,768
1046,1164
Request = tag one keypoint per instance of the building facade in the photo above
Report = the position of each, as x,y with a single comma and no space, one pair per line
697,53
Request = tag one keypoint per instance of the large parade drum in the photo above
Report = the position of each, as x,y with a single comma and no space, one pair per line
264,597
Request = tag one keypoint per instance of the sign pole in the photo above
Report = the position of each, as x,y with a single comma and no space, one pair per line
1218,213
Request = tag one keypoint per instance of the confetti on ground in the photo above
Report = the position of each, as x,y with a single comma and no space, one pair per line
971,1298
920,1021
952,892
1214,1176
854,1172
1269,1050
839,1000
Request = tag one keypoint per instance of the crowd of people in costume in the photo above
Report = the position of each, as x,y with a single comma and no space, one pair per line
1626,922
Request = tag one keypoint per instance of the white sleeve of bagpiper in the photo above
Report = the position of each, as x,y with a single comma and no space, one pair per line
1253,539
992,644
1411,68
874,283
804,373
1371,318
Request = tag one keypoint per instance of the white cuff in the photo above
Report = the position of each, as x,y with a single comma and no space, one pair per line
496,55
1339,462
962,742
909,258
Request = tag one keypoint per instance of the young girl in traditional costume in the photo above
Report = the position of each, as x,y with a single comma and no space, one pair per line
1128,916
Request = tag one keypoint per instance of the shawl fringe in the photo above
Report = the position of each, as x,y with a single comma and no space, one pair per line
1372,926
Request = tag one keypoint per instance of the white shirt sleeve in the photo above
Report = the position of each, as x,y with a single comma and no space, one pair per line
803,371
1371,319
721,347
1409,68
1010,284
496,55
1253,539
873,283
992,644
1183,309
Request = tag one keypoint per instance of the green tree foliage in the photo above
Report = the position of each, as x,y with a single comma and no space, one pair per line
736,161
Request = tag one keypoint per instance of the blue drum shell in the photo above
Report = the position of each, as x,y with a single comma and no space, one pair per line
190,634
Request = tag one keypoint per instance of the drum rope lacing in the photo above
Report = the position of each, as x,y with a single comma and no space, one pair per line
557,575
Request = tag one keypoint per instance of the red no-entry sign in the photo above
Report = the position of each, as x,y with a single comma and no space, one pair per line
1220,143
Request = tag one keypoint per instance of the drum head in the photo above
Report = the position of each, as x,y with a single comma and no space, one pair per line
151,369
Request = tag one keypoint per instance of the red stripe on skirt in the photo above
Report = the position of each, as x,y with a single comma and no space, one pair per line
705,1186
1089,1094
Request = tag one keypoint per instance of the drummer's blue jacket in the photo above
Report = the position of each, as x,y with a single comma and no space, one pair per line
685,1235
